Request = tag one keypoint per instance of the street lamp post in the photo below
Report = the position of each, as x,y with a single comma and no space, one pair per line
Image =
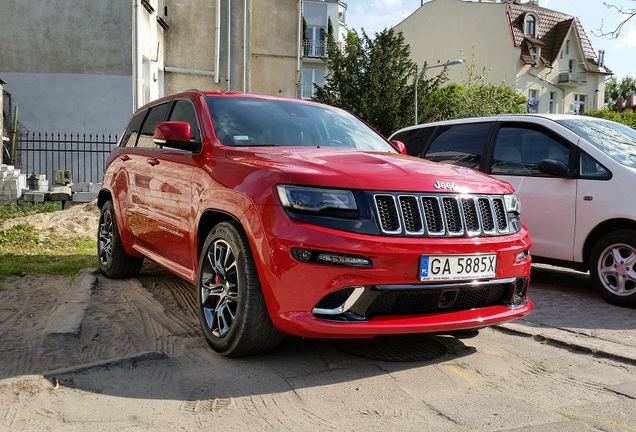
419,75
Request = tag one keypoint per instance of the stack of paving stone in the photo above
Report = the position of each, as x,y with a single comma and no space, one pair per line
38,189
12,183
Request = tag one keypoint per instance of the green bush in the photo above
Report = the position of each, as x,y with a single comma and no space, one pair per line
626,118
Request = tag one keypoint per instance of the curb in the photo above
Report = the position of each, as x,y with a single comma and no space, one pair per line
576,341
70,313
118,361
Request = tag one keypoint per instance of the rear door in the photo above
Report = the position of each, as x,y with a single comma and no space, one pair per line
548,204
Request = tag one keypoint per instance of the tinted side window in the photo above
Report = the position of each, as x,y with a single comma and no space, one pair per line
590,169
156,115
520,147
460,144
183,110
130,136
415,140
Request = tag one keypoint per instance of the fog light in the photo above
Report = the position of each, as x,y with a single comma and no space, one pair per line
522,256
344,259
301,254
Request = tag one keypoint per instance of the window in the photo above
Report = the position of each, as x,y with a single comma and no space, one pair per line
519,148
589,168
567,47
156,115
315,45
132,131
533,101
183,110
552,102
459,144
531,25
579,102
415,140
311,77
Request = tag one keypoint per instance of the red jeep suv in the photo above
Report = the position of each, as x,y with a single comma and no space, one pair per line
292,217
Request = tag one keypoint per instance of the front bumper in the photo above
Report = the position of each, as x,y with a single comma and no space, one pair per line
312,299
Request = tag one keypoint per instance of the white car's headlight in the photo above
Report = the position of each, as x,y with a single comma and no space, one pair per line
316,200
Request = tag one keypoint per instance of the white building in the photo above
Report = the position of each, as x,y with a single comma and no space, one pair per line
544,54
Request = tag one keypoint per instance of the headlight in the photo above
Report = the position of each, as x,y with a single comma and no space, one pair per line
314,200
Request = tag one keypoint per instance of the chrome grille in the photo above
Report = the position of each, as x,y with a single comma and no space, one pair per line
441,215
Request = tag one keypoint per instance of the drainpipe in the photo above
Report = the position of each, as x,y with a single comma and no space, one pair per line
217,41
244,46
229,44
298,51
135,54
189,71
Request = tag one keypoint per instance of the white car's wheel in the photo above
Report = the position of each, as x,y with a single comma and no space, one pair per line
613,267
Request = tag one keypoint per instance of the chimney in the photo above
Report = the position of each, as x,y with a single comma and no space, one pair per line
601,58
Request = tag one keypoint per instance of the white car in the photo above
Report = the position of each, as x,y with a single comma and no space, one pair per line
575,177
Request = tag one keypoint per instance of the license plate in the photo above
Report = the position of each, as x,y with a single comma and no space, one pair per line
455,267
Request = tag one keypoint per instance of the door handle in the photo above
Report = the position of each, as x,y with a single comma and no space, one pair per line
124,157
152,161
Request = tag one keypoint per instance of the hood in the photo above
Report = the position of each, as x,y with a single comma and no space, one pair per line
353,169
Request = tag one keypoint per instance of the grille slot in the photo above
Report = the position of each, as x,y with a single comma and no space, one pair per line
415,302
441,215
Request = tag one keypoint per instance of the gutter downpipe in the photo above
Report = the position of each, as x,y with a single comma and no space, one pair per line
244,46
229,44
217,41
135,54
300,42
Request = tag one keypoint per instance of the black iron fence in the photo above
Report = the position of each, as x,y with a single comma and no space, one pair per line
83,154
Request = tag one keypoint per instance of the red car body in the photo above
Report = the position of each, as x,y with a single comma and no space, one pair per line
166,201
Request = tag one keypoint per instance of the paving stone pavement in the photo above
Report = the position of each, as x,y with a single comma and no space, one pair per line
569,311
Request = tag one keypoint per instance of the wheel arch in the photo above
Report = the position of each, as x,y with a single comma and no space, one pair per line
209,219
103,196
600,231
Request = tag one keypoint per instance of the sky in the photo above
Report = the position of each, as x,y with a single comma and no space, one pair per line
620,53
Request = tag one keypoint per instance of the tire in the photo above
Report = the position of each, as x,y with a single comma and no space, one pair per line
232,310
114,262
613,268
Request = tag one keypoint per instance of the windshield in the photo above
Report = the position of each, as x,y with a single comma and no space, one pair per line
267,122
614,139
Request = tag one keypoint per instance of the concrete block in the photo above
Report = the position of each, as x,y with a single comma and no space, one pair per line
84,197
4,167
39,177
95,188
62,177
60,193
80,187
38,197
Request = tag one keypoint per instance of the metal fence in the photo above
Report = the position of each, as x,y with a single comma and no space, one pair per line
84,155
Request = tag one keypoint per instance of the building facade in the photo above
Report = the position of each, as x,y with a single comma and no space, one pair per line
544,54
85,66
320,17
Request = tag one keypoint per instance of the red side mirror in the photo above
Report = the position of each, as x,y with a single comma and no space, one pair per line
399,146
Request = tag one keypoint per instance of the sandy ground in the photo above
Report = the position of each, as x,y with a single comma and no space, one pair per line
140,363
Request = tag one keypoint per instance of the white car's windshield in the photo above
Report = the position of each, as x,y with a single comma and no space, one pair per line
264,122
614,139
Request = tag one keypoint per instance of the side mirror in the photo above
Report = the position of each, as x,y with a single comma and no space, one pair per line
175,134
399,146
554,168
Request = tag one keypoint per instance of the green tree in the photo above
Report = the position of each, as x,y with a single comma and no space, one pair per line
615,89
625,117
374,80
475,97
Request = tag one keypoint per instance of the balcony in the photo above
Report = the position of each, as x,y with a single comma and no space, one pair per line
317,48
573,79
